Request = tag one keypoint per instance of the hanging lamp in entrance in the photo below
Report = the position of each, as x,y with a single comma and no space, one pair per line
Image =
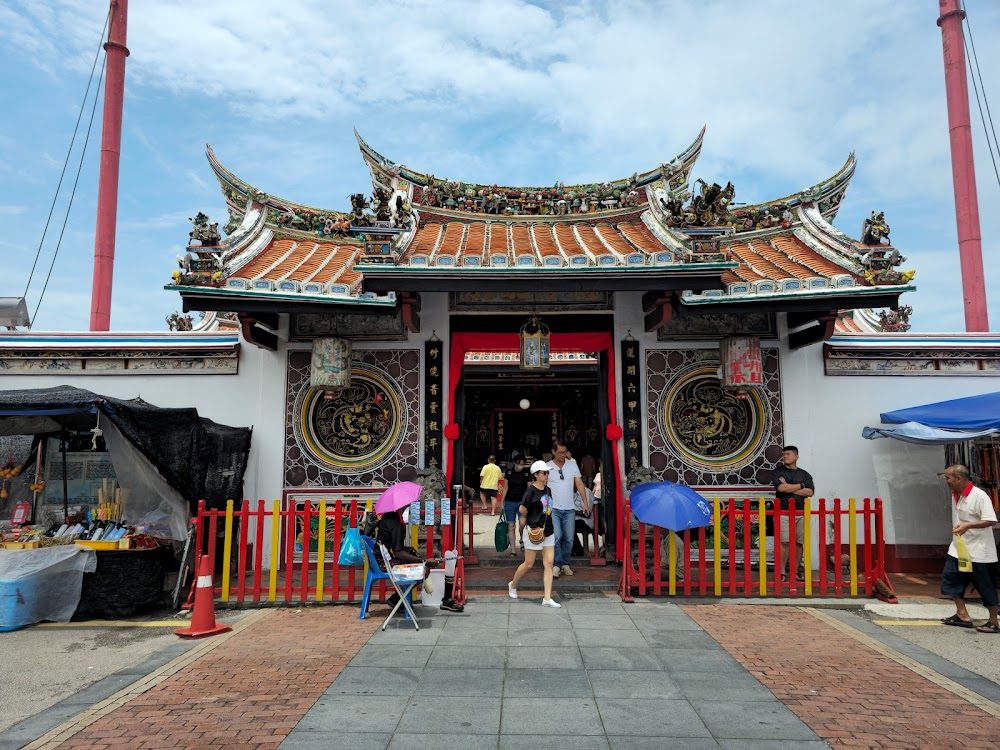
534,336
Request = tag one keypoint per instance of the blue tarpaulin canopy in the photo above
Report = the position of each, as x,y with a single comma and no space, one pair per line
942,422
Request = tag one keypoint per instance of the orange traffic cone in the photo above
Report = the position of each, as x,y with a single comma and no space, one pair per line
203,617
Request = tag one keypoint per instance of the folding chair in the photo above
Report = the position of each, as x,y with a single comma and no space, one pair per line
404,586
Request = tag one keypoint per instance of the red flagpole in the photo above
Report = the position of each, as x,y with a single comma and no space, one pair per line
970,248
107,191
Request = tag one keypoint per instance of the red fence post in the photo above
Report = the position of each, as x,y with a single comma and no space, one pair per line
869,583
731,534
258,548
306,544
289,514
472,558
687,562
776,512
701,561
241,554
352,521
338,532
641,558
657,556
793,553
823,553
747,572
625,549
838,567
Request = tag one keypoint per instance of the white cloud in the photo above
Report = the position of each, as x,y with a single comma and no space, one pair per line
523,93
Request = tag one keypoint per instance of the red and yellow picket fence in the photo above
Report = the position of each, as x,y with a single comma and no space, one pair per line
724,559
302,566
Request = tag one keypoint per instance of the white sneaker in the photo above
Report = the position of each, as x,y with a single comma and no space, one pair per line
555,571
551,603
511,591
566,571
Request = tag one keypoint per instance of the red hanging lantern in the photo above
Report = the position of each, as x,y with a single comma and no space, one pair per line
452,431
613,432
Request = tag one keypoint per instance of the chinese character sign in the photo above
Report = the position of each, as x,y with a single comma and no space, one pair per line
742,366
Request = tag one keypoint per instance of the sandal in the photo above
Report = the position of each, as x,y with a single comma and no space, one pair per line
957,621
988,627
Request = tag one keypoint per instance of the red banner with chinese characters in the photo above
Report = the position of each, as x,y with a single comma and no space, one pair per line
742,366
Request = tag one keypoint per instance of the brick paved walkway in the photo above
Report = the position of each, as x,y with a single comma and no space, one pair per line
849,694
247,694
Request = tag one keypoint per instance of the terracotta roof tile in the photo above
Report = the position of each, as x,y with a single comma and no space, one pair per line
338,267
588,237
639,235
274,252
521,241
752,264
607,233
424,241
451,244
498,240
545,241
475,242
807,256
567,241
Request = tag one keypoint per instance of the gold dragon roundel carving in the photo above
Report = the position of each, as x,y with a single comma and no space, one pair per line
709,426
360,428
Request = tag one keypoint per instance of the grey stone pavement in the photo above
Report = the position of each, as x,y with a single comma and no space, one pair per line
512,674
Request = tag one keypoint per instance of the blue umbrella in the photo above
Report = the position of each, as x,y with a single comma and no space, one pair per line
670,506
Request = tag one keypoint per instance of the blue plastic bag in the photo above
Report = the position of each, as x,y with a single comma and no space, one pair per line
351,553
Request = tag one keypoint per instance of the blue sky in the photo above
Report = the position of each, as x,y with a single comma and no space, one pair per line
506,91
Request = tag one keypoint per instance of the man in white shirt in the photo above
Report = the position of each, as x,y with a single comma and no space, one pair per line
973,519
564,480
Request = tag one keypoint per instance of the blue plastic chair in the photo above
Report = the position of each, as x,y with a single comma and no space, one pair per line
374,574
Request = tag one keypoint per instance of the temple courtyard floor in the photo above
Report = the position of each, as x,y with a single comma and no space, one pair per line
510,674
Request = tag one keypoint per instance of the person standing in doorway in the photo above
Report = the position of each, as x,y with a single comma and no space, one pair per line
489,482
536,516
972,519
792,486
588,468
516,481
565,480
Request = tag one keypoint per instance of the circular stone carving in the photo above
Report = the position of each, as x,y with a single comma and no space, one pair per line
358,430
709,427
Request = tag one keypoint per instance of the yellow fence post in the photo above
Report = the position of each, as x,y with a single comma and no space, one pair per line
807,546
852,537
321,552
272,583
762,547
672,567
717,545
227,550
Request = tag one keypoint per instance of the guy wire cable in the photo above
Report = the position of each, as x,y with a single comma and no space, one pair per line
69,151
72,195
974,61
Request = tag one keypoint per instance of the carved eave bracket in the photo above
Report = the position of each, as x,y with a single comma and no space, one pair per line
810,328
658,309
260,329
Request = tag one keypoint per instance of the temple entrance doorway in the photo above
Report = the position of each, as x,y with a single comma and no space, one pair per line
504,411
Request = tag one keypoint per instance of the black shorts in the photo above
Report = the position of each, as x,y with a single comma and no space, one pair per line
954,582
489,493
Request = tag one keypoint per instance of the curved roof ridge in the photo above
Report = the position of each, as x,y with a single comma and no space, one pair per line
827,195
684,159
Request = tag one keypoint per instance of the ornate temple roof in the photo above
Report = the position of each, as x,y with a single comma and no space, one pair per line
646,232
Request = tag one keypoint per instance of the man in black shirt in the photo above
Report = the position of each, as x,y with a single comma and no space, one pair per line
792,486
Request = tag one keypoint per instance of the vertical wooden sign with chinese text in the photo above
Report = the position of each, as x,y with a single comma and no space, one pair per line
631,406
433,404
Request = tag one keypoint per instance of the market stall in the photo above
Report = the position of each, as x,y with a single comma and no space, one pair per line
120,477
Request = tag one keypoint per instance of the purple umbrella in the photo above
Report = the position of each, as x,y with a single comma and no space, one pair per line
398,496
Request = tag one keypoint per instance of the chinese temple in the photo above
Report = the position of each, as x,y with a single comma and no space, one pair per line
666,305
651,321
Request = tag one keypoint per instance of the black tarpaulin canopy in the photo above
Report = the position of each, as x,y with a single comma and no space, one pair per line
197,457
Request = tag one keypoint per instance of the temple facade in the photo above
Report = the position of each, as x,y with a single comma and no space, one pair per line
649,321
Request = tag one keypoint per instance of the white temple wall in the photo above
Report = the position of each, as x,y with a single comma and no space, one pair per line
824,416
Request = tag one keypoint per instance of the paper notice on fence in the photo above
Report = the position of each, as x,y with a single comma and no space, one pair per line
428,513
445,511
